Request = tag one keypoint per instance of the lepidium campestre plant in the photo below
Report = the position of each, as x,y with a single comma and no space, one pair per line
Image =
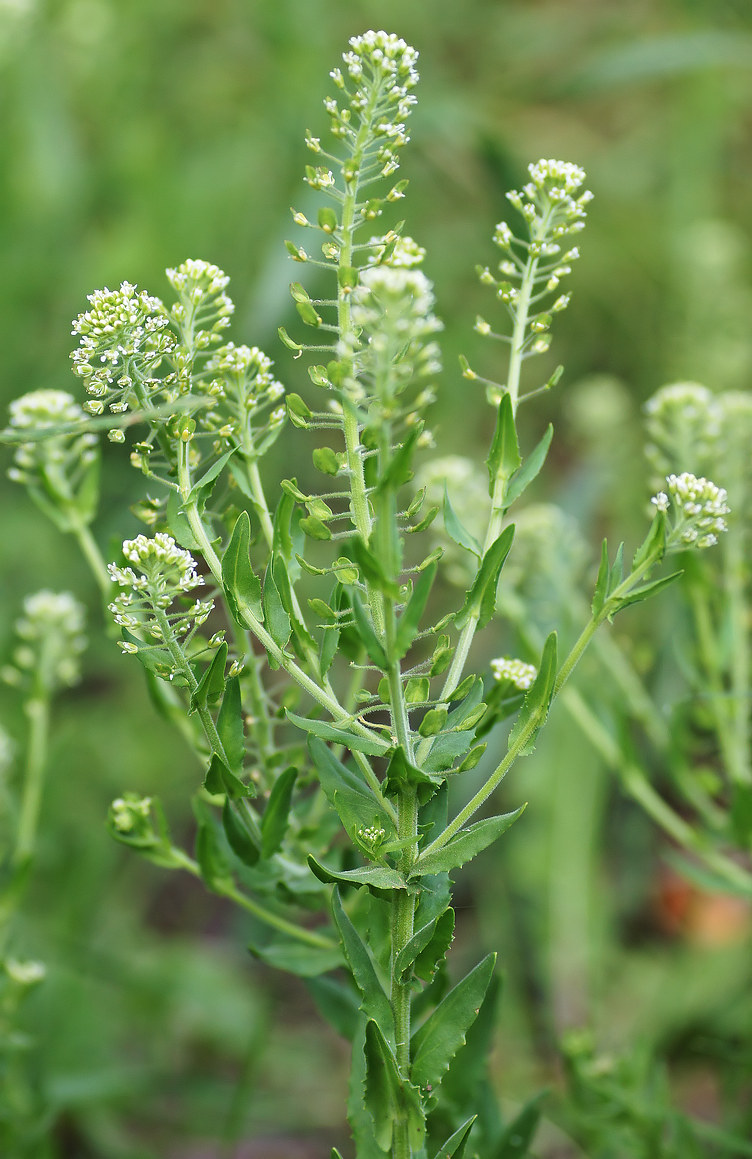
300,638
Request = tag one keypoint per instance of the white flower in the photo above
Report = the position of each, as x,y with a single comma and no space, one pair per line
696,508
517,672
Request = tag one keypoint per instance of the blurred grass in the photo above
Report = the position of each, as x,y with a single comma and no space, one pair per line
136,134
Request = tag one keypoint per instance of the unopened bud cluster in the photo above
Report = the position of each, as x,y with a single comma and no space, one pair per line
683,423
162,572
51,640
515,672
203,310
392,308
696,509
57,460
244,398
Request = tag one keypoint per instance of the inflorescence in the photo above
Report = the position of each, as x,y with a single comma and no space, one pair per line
162,572
697,508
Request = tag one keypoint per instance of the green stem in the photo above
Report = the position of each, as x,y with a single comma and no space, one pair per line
38,711
718,700
639,788
92,555
736,575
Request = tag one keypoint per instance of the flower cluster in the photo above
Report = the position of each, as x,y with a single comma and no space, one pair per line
400,252
123,339
381,69
549,206
51,635
683,422
57,460
533,268
202,312
698,508
516,672
241,391
163,571
393,309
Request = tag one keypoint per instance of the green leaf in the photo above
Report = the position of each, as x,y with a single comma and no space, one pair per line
400,774
372,746
465,845
366,633
375,1002
276,817
178,525
445,750
371,569
209,476
374,876
219,779
212,862
480,600
529,469
456,531
399,470
654,543
538,699
238,836
354,801
212,683
454,1148
337,1004
504,456
518,1135
390,1098
601,583
437,1041
276,618
230,725
409,622
646,590
242,587
296,957
426,948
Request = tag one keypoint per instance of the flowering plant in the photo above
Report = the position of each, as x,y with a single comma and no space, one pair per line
329,700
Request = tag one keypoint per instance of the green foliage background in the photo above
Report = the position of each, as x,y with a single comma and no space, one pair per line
137,134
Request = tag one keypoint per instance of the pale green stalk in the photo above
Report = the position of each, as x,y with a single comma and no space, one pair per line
37,709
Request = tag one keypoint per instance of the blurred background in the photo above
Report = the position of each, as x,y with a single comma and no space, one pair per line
137,134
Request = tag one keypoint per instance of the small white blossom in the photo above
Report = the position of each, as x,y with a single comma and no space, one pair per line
517,672
696,508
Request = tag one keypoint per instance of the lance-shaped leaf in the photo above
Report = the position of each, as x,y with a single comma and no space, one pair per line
297,957
212,683
645,590
409,622
455,529
390,1098
399,470
219,779
209,851
366,633
537,701
480,600
375,1003
380,880
178,525
518,1135
504,456
276,817
238,834
276,618
371,568
523,477
242,587
209,476
437,1041
454,1148
356,804
372,746
230,726
464,845
426,948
